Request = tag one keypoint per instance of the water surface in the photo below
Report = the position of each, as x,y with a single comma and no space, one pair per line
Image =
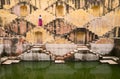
69,70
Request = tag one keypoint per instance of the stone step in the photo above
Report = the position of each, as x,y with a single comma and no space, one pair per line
7,62
81,47
11,61
3,59
59,61
108,61
110,57
15,61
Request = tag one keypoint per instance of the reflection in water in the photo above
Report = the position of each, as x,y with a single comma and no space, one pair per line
49,70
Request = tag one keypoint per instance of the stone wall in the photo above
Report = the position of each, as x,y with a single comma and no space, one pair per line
116,50
86,57
45,37
102,46
13,46
35,57
60,49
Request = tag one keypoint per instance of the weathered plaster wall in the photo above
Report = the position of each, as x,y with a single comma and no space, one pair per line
98,25
116,50
45,35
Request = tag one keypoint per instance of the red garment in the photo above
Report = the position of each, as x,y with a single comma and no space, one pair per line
40,22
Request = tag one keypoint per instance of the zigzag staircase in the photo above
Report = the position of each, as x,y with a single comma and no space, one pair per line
14,28
59,28
53,57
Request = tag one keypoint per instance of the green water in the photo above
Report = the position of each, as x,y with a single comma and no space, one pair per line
70,70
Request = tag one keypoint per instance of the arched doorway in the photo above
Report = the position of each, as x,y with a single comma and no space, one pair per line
38,37
23,10
60,10
80,37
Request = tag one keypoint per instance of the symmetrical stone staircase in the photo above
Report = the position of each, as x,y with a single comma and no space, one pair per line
34,21
48,21
54,30
38,52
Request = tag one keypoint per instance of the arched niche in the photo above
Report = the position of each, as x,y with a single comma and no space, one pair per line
95,7
96,10
38,37
23,10
60,10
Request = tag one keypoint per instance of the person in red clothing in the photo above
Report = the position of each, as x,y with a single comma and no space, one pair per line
40,21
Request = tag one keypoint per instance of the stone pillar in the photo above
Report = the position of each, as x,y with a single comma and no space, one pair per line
2,3
18,24
119,2
1,22
117,30
30,9
87,36
75,37
93,36
90,36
